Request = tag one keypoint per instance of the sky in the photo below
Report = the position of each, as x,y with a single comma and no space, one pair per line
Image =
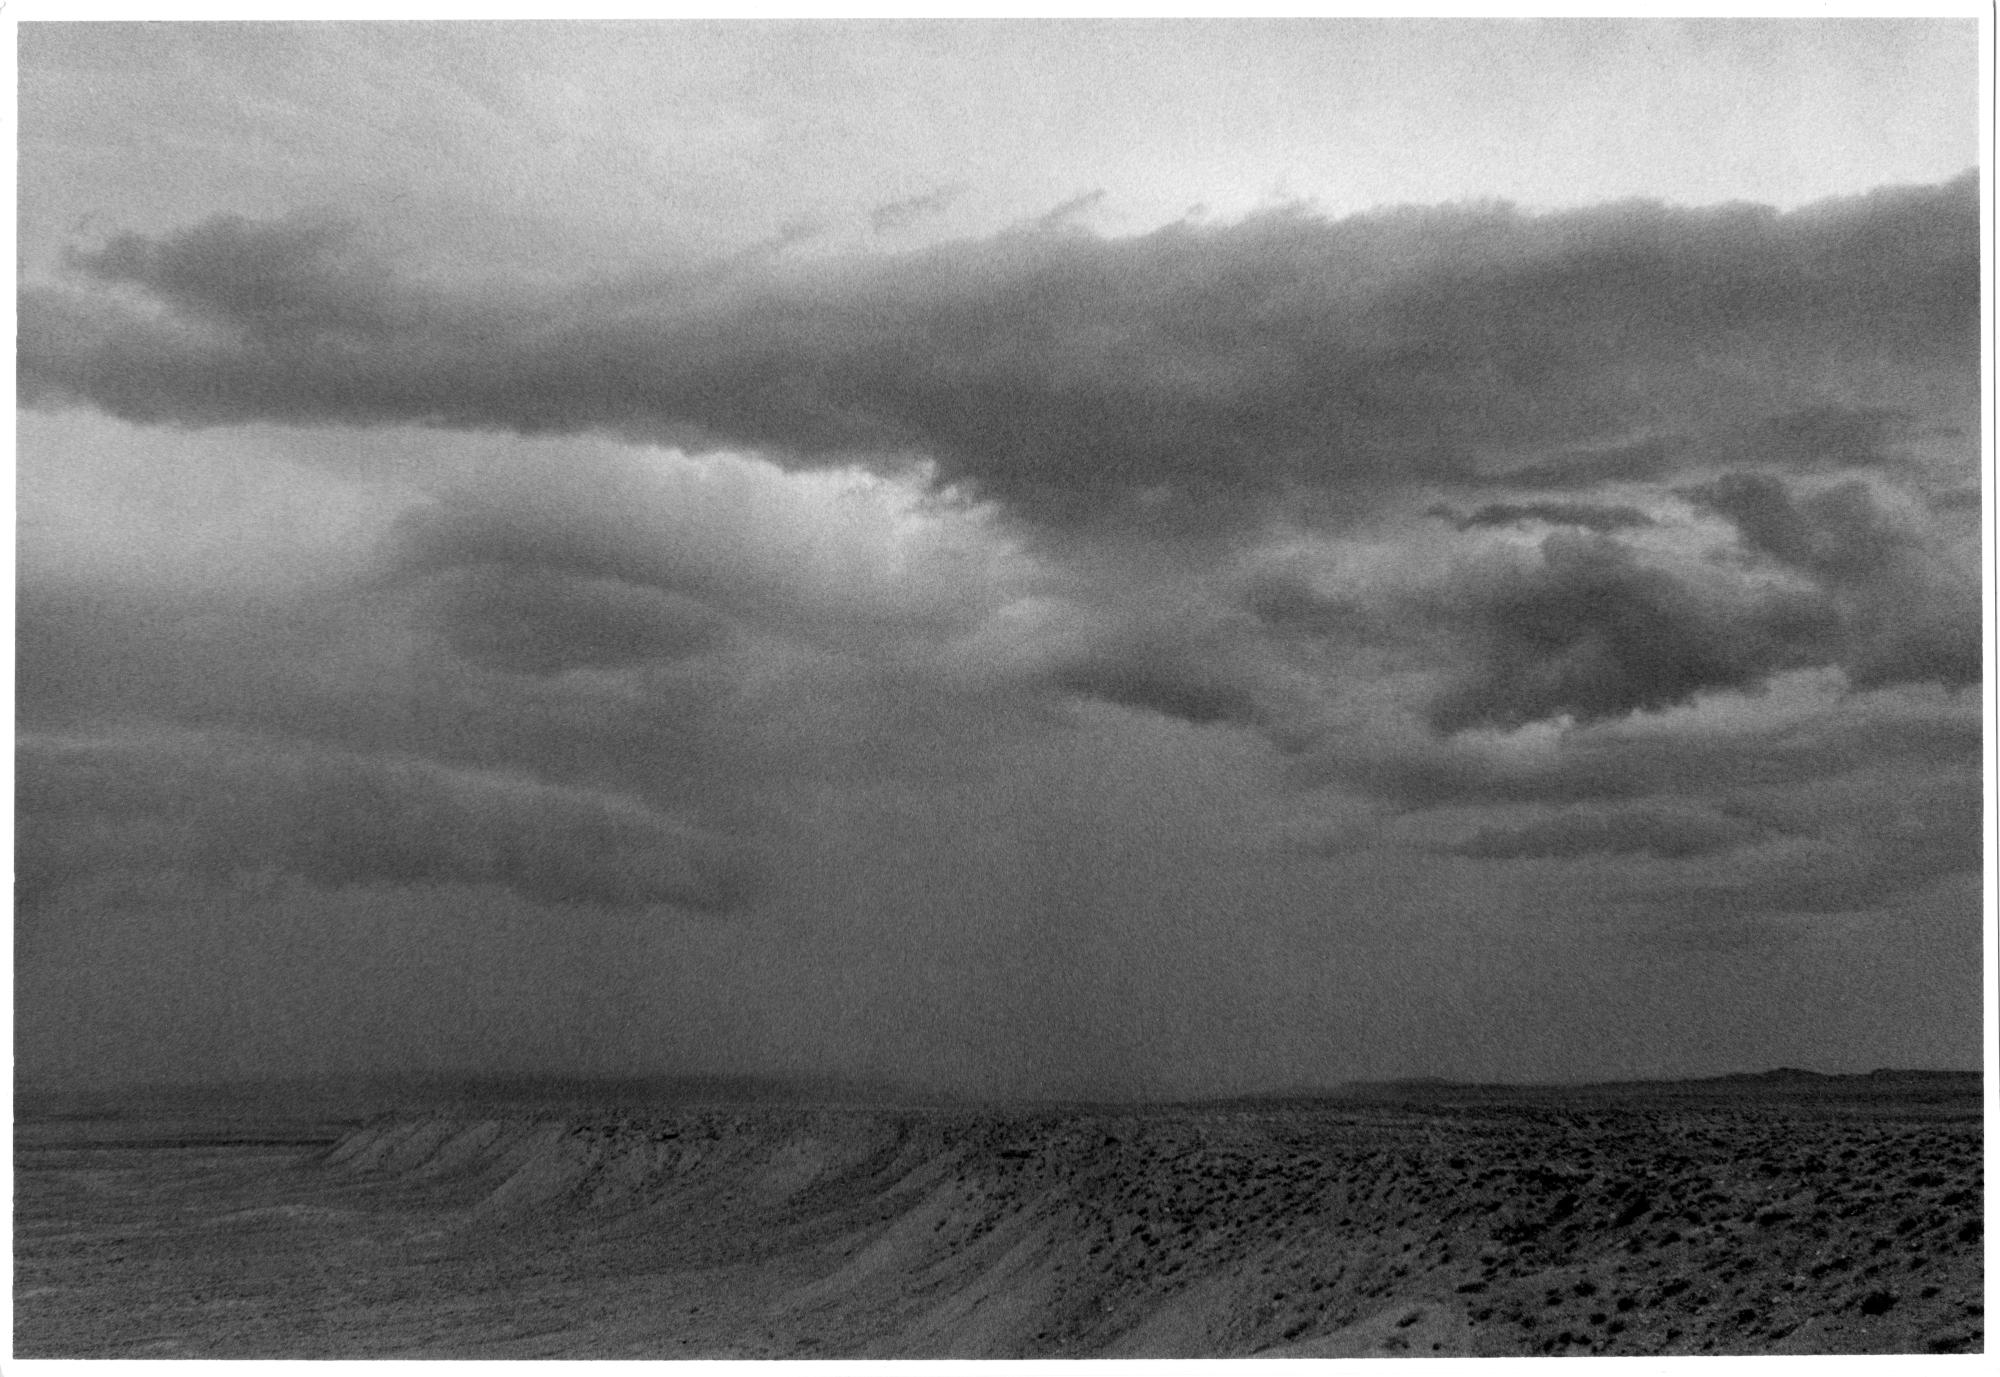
1023,558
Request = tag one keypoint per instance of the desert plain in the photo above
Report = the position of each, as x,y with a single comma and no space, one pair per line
1779,1214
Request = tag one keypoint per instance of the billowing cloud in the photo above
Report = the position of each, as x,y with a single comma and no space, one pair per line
1822,436
1590,633
218,806
538,621
1841,534
1592,466
1804,727
1062,373
1825,436
1067,661
1910,602
891,216
837,555
1161,681
1666,833
1588,516
1846,871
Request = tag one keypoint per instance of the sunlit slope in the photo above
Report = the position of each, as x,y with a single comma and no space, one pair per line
1623,1228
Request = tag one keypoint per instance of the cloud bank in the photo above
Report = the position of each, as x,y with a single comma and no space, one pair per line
1061,373
1239,653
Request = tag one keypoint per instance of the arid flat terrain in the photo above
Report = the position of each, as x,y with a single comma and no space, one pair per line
1764,1216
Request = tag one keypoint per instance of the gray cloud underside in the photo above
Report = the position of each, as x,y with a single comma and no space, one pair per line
542,621
1916,620
1664,833
1588,516
379,678
1622,761
1061,373
1711,849
1592,633
1819,435
895,215
1593,627
1068,375
1851,871
221,805
557,625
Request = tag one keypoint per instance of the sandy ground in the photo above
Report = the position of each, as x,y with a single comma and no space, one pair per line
1428,1225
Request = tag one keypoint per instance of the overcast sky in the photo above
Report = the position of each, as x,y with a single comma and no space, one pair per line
1111,558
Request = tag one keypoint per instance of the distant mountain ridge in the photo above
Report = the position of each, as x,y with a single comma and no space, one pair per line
1793,1073
1781,1077
372,1094
363,1095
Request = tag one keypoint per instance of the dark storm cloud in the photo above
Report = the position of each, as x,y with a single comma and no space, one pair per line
1586,516
1063,373
1851,874
1599,627
1288,604
1935,645
667,562
1822,437
1912,614
1590,467
1067,212
1591,632
1584,627
1163,681
568,530
537,620
1620,761
1664,833
1841,535
263,281
895,215
90,654
216,806
373,674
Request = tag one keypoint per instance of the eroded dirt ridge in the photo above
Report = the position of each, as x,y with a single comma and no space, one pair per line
1538,1230
1321,1229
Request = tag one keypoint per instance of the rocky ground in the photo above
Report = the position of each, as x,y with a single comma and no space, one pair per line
1745,1220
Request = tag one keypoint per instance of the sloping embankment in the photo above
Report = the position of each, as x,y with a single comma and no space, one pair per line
1304,1230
